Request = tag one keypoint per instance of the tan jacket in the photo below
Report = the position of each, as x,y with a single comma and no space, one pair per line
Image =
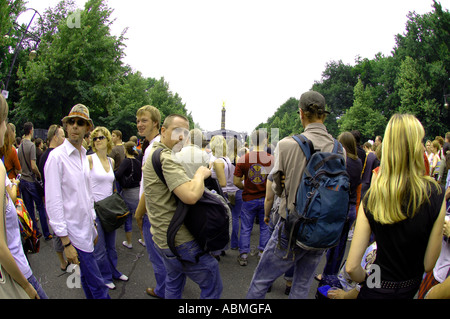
290,161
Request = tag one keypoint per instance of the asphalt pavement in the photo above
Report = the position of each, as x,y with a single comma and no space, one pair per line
135,264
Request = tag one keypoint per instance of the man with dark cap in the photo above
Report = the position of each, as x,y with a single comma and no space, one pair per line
290,163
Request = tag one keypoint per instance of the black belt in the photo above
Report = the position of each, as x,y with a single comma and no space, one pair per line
400,284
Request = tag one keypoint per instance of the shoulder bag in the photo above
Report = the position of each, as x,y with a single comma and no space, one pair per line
111,211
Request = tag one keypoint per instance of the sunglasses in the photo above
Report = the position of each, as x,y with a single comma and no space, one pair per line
98,138
79,122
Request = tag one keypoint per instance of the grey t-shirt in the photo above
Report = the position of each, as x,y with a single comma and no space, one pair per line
26,153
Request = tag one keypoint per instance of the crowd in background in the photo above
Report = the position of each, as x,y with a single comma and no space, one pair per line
246,174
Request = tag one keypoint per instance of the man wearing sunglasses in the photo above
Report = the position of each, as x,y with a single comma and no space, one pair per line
70,205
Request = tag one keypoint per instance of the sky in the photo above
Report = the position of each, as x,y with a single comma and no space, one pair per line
252,55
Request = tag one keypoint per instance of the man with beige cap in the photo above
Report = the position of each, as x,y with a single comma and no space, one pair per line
70,205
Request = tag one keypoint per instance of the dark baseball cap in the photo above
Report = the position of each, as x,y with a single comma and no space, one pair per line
314,102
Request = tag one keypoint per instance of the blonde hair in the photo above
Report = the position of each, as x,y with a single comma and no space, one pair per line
401,181
3,108
155,115
218,146
103,130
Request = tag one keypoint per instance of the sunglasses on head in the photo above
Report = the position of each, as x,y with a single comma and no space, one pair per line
99,138
80,122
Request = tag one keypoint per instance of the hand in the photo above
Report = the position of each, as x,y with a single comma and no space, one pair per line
336,294
267,220
31,292
447,228
203,171
72,255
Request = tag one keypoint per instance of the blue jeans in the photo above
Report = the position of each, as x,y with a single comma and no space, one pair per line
106,254
205,273
131,198
236,215
276,260
155,258
335,255
31,196
37,286
91,277
250,210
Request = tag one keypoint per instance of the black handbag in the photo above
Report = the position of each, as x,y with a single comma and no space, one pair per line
112,212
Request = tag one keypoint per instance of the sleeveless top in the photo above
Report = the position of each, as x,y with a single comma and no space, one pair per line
14,239
101,181
401,246
229,174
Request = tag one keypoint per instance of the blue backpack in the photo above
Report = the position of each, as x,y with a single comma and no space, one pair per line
322,200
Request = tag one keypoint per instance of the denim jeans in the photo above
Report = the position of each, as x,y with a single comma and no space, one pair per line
335,255
205,272
37,286
250,210
106,254
91,277
155,258
31,196
276,260
131,198
236,215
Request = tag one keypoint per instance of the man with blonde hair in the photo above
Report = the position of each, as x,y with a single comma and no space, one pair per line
148,122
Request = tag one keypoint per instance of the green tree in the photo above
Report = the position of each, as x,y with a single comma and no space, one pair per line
11,34
131,93
79,65
361,115
427,42
414,94
167,102
336,85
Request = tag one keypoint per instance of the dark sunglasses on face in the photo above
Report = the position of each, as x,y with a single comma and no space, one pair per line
79,122
98,138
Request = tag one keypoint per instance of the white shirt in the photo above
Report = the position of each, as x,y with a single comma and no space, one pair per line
144,159
101,181
69,202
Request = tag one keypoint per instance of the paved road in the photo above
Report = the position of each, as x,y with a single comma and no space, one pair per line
135,264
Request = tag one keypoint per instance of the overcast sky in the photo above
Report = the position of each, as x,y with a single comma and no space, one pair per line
254,55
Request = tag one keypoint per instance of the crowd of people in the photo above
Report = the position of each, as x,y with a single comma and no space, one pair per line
396,218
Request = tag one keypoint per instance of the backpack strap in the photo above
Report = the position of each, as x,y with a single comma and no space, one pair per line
305,144
180,213
157,166
338,148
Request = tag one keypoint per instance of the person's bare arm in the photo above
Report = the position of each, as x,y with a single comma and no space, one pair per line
190,192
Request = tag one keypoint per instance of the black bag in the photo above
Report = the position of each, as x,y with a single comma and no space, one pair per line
208,220
112,212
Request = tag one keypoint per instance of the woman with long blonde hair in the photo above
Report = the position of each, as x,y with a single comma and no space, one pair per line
405,210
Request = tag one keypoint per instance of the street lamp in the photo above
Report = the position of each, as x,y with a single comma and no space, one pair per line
445,101
17,49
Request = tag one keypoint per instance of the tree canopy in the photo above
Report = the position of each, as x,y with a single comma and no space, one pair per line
413,79
79,61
